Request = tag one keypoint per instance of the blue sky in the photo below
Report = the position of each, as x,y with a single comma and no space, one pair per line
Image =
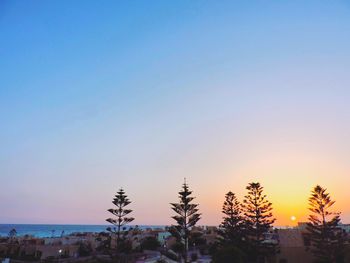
95,96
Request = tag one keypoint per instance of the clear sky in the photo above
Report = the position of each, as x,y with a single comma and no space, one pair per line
95,96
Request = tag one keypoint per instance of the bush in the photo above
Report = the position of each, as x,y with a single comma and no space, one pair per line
150,243
84,249
228,253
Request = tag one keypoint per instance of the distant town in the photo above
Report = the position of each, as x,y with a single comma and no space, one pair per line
149,245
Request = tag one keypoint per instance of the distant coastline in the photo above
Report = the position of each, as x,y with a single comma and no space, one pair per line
58,230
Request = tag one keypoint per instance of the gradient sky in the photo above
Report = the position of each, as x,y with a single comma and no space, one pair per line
95,96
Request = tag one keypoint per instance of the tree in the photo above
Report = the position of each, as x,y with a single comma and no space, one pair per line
231,226
324,233
187,216
120,201
258,220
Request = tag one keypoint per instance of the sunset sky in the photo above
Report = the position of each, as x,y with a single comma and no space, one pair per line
95,96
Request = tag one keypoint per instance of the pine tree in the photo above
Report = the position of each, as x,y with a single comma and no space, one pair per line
231,226
120,201
326,237
258,220
187,216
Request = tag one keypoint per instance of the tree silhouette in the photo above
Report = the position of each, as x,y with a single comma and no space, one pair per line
326,237
120,201
231,226
258,220
12,233
187,216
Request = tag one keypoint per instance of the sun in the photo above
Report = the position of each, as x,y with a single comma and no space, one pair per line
293,218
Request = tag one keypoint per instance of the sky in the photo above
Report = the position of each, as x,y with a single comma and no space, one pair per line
95,96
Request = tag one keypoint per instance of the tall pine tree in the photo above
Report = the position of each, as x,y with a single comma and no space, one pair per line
258,220
231,226
187,216
326,237
120,220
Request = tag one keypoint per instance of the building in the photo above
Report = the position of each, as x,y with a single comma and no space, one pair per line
292,247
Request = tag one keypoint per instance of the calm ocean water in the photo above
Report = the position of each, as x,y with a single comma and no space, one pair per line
54,230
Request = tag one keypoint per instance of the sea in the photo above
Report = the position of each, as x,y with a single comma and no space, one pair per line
38,230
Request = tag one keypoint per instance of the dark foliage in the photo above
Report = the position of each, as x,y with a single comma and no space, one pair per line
178,247
231,228
104,242
196,239
326,237
125,246
258,220
150,243
84,249
228,253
